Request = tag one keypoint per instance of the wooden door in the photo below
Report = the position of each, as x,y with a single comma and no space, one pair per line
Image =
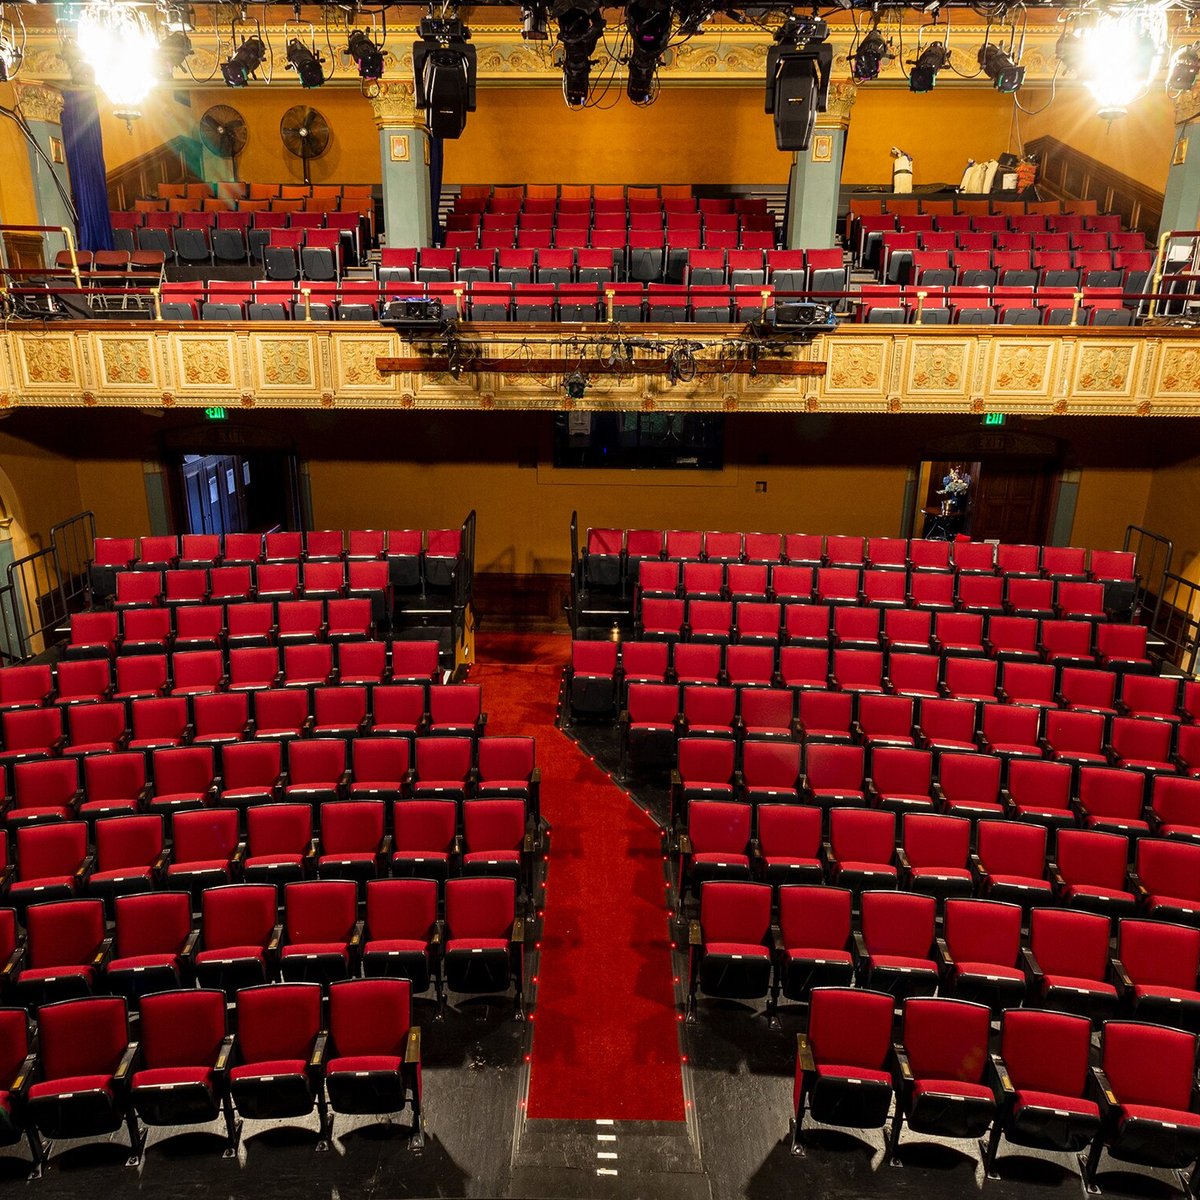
1012,502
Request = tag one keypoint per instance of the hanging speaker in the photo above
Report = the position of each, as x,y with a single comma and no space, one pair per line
795,102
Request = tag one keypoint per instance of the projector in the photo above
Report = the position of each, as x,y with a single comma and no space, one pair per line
804,314
413,314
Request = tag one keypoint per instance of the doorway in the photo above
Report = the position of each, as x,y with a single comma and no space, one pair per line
1013,486
237,493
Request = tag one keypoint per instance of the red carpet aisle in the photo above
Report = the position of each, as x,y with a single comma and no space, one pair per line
605,1042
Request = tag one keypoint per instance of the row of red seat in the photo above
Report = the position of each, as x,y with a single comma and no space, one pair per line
948,759
207,626
608,549
598,682
798,601
940,1073
264,763
911,736
163,552
309,699
88,1077
281,583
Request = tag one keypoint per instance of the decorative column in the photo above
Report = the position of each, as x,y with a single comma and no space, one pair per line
1181,200
816,178
404,155
42,107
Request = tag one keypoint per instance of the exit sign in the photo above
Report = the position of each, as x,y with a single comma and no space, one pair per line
993,418
219,414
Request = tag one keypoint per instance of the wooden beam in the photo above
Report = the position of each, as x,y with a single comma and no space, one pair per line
558,366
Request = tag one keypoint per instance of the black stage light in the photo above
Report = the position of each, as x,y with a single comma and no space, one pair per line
444,66
238,69
650,30
367,56
998,66
798,68
579,30
867,60
576,385
306,64
1185,66
923,74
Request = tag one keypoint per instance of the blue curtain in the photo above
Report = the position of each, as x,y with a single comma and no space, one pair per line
437,147
84,151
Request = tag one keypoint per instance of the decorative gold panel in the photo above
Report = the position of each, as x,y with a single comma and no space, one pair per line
206,365
1022,367
49,362
127,362
866,368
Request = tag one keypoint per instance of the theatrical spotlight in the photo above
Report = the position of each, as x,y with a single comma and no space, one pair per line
1185,66
174,50
868,59
798,67
998,66
922,75
306,62
367,56
240,67
650,30
444,65
576,385
535,23
579,30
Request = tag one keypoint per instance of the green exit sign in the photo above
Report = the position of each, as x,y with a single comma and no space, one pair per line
219,414
993,418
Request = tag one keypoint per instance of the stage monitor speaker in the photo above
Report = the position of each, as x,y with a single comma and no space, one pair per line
795,102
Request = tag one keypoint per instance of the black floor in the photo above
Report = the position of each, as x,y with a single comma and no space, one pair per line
735,1142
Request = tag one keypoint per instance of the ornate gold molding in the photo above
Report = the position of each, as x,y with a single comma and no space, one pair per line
870,368
40,103
394,105
842,96
722,54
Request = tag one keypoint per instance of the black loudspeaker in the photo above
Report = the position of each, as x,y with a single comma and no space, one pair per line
446,85
795,102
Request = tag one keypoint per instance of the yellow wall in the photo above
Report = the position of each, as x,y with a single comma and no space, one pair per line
1109,499
1138,144
115,490
18,203
44,490
940,130
1174,510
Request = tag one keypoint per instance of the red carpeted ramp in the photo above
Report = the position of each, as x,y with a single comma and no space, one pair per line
605,1043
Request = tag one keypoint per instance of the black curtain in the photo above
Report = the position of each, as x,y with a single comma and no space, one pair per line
437,148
